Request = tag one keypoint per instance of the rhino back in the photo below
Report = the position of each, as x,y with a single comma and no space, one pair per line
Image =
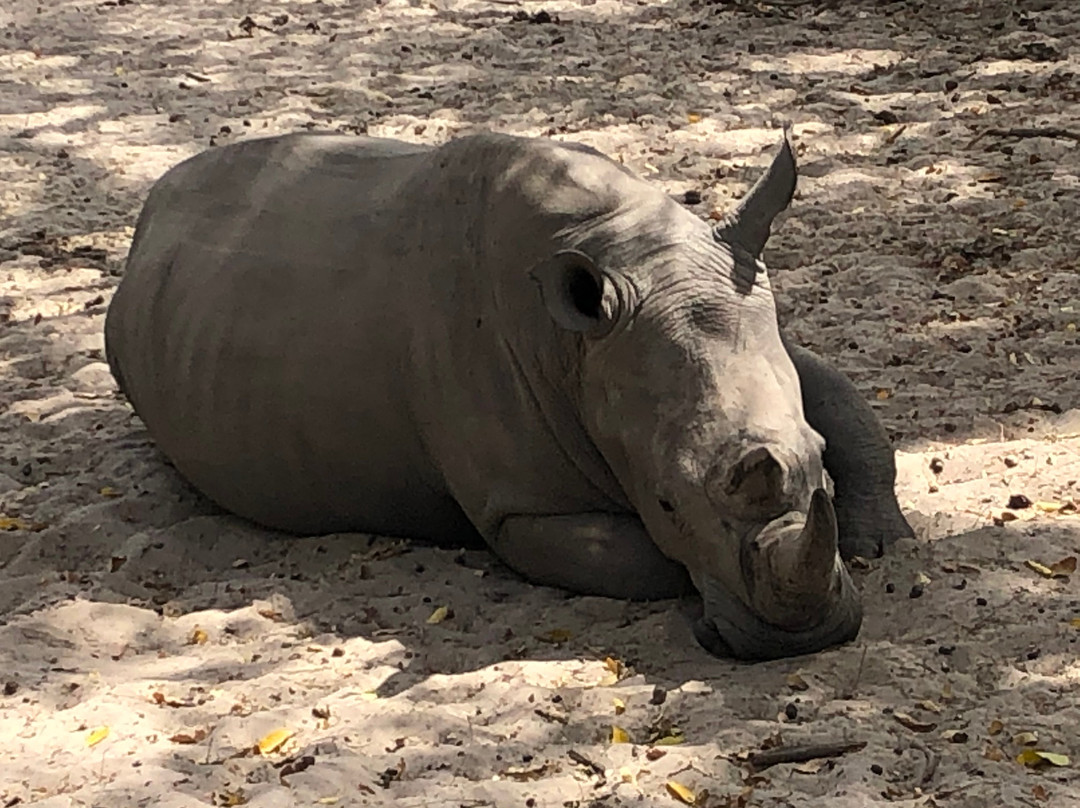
310,329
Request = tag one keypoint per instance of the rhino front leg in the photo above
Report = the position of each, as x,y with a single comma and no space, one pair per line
591,554
858,457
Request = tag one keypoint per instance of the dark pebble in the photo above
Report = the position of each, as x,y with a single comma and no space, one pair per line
946,650
980,601
1018,501
659,695
791,711
916,591
876,769
890,588
692,197
951,85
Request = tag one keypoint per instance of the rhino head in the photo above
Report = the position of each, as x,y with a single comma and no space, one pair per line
688,393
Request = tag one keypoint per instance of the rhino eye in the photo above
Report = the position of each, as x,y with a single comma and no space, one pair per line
584,291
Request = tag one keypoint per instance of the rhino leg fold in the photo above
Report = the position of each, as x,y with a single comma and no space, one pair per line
604,554
858,457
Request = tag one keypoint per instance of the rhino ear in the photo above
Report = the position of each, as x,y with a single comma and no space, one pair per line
749,224
575,293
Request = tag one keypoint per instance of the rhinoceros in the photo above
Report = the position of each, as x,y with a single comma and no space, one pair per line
508,337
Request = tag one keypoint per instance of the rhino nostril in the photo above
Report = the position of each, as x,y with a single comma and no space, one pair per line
757,476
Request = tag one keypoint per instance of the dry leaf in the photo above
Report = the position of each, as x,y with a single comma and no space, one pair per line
1040,793
619,735
1036,757
995,727
273,741
620,706
1075,622
232,798
198,637
883,393
97,736
369,695
1064,567
109,491
913,723
1025,739
13,523
693,117
811,766
438,616
796,682
327,800
523,774
929,706
555,636
185,738
654,754
680,792
994,753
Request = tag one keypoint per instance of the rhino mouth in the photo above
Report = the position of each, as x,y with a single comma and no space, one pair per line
798,596
729,628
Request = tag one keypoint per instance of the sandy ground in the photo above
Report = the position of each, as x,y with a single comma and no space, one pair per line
148,643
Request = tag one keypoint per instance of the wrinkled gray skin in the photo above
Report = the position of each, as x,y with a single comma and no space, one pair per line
508,337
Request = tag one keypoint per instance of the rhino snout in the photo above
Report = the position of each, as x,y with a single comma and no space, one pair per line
761,485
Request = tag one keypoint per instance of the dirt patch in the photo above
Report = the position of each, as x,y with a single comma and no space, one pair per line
930,251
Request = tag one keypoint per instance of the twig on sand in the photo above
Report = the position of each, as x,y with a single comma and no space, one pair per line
800,753
1028,131
850,692
931,765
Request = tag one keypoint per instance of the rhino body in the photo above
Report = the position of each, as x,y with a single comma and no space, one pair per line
506,337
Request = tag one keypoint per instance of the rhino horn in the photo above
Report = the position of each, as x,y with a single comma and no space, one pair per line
749,224
796,569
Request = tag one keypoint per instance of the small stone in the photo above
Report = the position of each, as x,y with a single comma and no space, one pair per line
876,769
950,85
916,591
11,687
946,650
937,465
980,601
890,587
1018,502
659,695
1010,461
692,197
791,711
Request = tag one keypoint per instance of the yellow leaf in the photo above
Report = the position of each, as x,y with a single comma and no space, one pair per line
328,800
1042,569
883,393
995,727
97,736
273,741
1036,757
13,523
693,117
109,491
614,665
1025,739
620,706
930,706
680,792
1075,622
670,740
438,616
619,735
198,637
